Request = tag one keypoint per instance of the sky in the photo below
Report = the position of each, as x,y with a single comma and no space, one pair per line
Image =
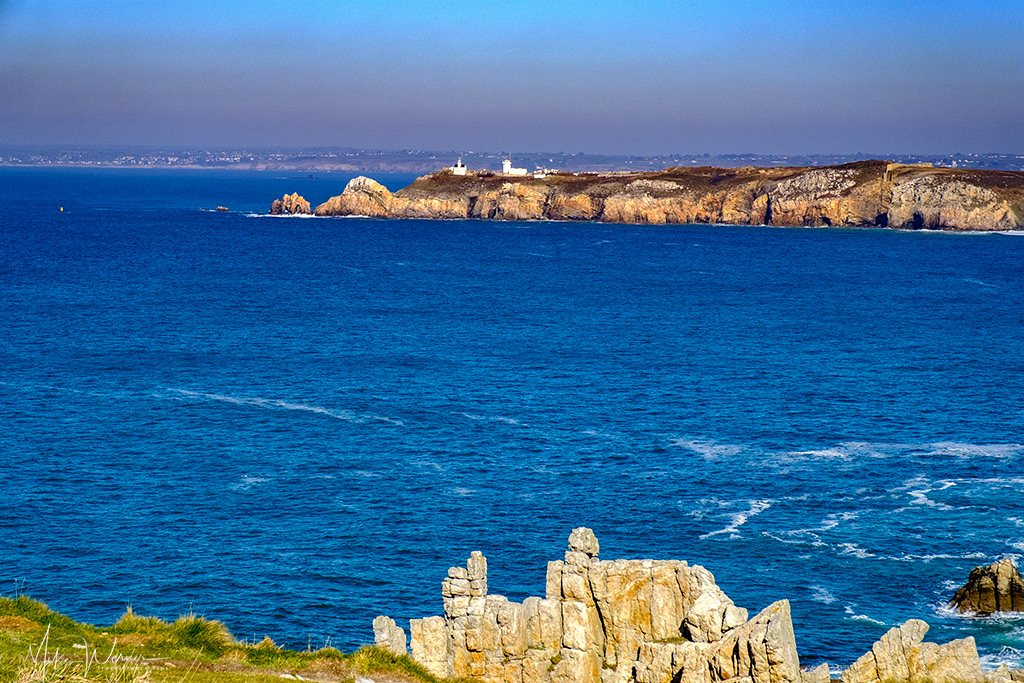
622,77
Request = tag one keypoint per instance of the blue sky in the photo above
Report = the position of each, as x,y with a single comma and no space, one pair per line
618,77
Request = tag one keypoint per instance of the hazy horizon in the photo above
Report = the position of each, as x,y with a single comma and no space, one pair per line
600,78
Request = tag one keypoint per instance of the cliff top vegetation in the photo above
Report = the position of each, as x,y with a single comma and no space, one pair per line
39,645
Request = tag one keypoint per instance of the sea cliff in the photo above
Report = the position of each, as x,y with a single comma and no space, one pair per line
860,194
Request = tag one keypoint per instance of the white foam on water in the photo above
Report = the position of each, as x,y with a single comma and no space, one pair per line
1016,520
936,556
1011,656
972,450
248,482
494,418
862,617
428,464
738,519
855,550
708,449
462,492
277,404
979,282
822,595
283,215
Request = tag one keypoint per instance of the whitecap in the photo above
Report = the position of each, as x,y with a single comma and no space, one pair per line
855,550
738,519
1011,656
248,482
862,617
277,404
972,450
822,595
494,418
979,282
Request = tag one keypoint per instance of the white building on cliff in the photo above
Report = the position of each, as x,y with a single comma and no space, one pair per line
459,168
506,168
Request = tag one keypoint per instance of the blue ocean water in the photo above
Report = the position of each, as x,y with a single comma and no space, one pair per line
295,424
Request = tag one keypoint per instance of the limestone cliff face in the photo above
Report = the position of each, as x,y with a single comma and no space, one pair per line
862,194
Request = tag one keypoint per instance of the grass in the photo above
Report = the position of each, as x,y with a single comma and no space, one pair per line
39,645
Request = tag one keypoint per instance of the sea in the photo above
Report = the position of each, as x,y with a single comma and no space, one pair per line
294,424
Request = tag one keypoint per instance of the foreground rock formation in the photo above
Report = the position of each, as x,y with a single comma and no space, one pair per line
861,194
998,587
646,621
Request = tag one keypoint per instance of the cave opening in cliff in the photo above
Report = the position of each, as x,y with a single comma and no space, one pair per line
768,211
917,222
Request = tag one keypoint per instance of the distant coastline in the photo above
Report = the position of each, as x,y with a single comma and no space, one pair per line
353,160
873,193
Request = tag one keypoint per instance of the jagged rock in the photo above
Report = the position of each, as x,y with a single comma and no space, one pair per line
362,197
900,657
289,204
997,587
388,635
1017,675
818,674
431,645
583,540
649,621
999,675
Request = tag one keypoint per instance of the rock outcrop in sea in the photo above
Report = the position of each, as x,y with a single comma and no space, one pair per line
290,204
998,587
860,194
644,621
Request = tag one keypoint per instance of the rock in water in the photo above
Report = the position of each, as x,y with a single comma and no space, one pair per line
997,587
290,204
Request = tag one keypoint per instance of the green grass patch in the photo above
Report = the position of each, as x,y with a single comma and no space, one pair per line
39,645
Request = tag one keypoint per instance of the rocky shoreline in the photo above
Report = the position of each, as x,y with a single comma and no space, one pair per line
859,194
653,621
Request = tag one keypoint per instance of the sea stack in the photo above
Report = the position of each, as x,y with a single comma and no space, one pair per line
997,587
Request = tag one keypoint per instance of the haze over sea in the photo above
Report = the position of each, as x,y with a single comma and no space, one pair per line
293,425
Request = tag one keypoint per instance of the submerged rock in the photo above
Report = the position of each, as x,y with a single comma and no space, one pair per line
998,587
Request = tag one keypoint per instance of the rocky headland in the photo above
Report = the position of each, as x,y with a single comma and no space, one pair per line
860,194
645,621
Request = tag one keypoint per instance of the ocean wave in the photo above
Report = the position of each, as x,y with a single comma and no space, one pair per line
1011,656
855,550
278,404
862,617
822,595
738,519
972,450
707,449
494,418
248,482
282,215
